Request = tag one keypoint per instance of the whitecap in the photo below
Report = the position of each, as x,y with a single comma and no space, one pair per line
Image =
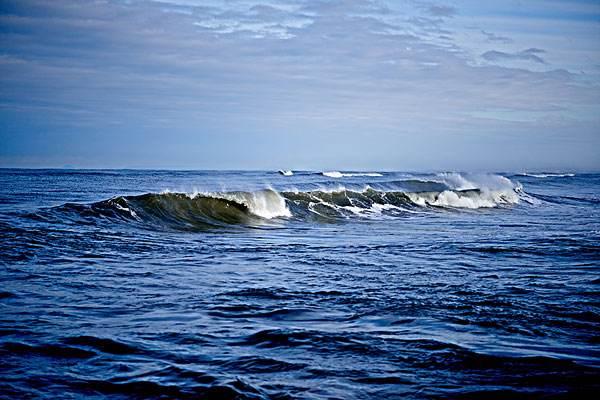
337,174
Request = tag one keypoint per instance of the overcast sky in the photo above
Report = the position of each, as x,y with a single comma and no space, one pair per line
369,85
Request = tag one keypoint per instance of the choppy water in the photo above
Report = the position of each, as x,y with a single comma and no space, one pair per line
251,285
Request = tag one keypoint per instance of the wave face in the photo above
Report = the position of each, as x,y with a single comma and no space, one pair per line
204,210
189,211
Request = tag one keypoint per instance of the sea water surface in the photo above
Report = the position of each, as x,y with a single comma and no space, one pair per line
304,285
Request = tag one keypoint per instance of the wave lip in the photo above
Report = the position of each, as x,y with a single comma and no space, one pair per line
266,204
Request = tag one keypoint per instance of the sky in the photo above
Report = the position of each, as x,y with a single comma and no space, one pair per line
469,85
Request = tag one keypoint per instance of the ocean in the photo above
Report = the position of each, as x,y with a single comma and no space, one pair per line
298,285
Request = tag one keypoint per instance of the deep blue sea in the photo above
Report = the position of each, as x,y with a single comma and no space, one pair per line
127,284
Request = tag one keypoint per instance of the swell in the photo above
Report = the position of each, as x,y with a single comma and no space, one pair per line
182,211
465,371
264,208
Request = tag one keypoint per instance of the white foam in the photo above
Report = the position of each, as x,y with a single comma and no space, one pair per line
376,210
483,198
125,209
568,175
337,174
356,210
333,174
456,181
471,191
384,207
265,203
340,188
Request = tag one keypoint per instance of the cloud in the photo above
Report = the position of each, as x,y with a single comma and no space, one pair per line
525,55
442,11
357,70
493,38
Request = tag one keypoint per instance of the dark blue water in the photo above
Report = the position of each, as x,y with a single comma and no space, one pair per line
252,285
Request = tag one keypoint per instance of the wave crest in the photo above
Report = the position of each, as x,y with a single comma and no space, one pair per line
267,204
548,175
470,198
337,174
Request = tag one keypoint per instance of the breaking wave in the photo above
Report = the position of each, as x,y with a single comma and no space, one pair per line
200,210
369,202
185,211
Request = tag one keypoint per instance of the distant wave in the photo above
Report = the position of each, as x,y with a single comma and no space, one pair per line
204,210
549,175
337,174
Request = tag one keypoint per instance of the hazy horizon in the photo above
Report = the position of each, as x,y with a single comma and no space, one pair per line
315,171
307,85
